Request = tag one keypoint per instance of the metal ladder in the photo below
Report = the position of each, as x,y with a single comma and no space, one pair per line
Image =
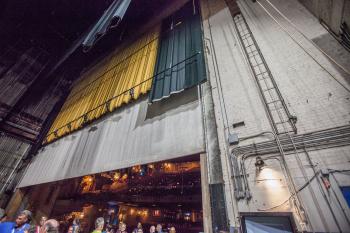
283,121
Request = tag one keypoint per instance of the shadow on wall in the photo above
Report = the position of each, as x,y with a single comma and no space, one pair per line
336,51
214,6
175,104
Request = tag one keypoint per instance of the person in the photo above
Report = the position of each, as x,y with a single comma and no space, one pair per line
109,229
70,229
43,219
172,230
139,227
99,224
76,225
21,224
50,226
152,229
159,228
122,228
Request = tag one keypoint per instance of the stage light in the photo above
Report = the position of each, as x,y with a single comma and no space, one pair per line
125,176
116,176
259,164
156,213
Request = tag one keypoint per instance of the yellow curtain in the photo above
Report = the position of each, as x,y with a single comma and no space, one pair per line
124,76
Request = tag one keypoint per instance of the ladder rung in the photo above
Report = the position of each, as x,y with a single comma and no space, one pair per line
259,65
280,122
289,131
265,72
238,21
245,34
249,46
242,30
252,53
273,101
276,109
262,77
270,88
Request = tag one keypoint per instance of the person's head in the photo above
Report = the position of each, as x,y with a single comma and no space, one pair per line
24,217
139,225
76,221
152,229
159,227
70,229
99,223
108,228
43,219
172,230
50,226
122,226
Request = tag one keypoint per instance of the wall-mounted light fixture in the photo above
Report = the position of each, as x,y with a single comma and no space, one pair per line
259,163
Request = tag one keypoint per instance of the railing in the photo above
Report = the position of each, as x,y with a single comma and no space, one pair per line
84,118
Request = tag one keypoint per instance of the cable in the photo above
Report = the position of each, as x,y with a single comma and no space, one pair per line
291,185
338,171
223,110
313,43
299,190
289,34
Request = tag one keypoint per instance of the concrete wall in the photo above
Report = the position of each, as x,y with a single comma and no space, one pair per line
331,12
319,101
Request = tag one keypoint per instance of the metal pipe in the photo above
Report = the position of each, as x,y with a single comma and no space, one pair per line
316,142
300,142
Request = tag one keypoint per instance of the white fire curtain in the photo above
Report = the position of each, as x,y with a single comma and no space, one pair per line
125,138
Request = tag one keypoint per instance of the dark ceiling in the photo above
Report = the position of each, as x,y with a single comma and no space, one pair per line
51,26
54,26
48,23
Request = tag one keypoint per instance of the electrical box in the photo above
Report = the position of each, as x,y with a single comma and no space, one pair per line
233,139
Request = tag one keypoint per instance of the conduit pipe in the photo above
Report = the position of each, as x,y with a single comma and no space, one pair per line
333,137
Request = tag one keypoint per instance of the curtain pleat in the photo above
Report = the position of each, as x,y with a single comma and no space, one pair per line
180,62
124,76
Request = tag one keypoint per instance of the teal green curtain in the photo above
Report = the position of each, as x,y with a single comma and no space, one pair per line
180,63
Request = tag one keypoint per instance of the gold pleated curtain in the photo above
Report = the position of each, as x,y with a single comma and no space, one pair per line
124,76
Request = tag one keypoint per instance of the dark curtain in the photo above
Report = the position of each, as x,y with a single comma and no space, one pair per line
180,62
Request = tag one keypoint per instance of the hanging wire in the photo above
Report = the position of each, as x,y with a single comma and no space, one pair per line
308,53
313,43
